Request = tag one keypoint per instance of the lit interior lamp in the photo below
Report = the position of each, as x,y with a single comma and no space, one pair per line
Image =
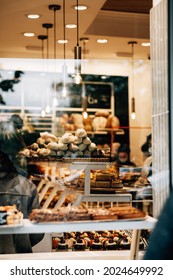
47,109
85,114
84,102
133,114
43,113
77,54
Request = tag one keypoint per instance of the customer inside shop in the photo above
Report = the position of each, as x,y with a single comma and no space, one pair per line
18,196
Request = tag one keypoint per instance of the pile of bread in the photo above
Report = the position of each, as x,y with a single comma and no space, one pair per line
10,215
101,120
69,145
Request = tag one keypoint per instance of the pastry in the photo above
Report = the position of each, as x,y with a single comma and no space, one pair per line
82,147
80,132
99,123
73,147
53,146
77,140
62,146
10,215
43,152
92,147
66,138
34,146
41,142
77,120
86,141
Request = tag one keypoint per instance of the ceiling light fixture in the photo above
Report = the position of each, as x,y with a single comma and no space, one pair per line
77,52
54,8
102,41
47,26
29,34
62,41
145,44
33,16
80,7
133,112
70,25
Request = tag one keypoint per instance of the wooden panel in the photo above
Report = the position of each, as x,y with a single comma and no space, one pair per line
130,6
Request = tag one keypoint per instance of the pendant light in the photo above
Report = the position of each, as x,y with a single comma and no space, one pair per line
47,26
54,8
84,51
84,97
84,102
77,51
133,112
64,67
42,38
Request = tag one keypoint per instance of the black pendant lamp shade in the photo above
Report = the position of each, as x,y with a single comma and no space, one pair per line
54,8
47,26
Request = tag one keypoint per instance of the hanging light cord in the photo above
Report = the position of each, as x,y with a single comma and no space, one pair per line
132,70
54,33
64,28
77,22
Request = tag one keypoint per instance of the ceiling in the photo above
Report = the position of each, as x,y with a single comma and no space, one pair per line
117,21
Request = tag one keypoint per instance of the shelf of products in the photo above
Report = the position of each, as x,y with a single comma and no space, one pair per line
136,225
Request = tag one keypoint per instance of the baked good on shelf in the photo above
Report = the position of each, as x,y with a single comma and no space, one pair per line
80,132
10,215
82,147
77,140
77,120
104,176
43,152
127,212
102,184
96,244
110,244
73,148
99,123
102,214
53,146
86,141
66,138
92,147
79,245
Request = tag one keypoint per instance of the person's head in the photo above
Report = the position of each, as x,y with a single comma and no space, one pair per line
6,165
146,147
17,121
123,153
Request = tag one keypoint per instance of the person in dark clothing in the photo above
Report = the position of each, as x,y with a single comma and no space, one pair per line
146,148
123,156
161,241
13,139
17,190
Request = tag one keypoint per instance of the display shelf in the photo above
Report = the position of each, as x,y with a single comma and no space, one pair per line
135,225
29,227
